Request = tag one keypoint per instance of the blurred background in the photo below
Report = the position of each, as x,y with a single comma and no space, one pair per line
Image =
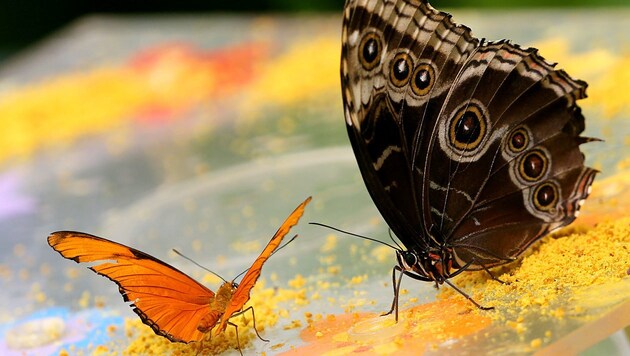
199,125
23,22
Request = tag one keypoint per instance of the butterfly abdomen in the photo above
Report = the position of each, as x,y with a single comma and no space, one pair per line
209,321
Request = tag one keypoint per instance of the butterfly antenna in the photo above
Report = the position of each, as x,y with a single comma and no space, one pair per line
392,238
273,253
198,265
283,246
355,235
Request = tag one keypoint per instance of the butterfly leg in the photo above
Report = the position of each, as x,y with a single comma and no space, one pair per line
197,347
396,286
391,310
238,342
254,320
468,265
467,296
492,275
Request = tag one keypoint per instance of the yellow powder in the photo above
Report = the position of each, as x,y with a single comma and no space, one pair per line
100,350
40,297
382,253
518,326
536,343
211,279
99,301
297,282
327,260
358,279
295,324
72,272
334,270
84,302
557,269
330,244
322,285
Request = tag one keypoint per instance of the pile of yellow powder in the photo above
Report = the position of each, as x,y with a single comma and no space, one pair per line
561,268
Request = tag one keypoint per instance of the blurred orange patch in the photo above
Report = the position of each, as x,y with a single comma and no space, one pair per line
154,85
420,328
178,75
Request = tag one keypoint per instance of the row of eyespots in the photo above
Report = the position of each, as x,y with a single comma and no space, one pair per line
533,167
468,126
402,71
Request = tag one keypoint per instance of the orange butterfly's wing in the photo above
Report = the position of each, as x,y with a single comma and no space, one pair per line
166,299
241,295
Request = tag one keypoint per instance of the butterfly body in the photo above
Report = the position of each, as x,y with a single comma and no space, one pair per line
217,304
469,148
428,265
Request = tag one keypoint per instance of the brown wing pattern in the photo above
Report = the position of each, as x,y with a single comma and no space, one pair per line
241,296
166,299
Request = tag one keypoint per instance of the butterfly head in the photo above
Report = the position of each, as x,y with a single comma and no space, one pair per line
427,265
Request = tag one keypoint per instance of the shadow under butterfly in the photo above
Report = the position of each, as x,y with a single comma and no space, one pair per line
173,304
469,148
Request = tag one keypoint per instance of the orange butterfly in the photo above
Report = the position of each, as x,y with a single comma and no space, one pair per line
173,304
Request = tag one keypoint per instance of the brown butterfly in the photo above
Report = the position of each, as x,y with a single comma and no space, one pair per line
470,149
173,304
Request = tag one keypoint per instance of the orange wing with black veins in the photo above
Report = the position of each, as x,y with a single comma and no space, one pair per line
241,296
166,299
